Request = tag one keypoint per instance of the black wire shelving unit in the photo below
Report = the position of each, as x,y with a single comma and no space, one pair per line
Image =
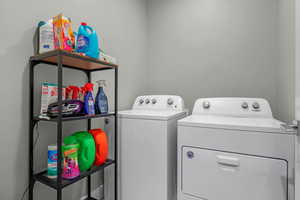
63,59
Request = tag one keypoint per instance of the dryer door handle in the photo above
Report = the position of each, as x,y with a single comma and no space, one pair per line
228,161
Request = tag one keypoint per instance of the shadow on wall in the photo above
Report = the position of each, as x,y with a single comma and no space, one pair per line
14,123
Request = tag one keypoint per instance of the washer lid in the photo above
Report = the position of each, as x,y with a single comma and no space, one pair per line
270,125
151,114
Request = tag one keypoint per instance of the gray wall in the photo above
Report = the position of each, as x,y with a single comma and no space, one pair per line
286,68
122,26
194,48
213,48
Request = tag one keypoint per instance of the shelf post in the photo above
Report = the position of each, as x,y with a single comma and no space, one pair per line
89,126
116,134
31,129
59,126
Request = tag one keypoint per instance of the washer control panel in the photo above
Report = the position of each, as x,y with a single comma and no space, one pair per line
236,107
159,102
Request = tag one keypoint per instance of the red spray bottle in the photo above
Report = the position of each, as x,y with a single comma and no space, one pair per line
75,92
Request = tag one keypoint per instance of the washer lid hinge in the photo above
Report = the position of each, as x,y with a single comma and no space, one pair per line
291,127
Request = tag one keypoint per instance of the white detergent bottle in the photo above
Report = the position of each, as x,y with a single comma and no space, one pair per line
46,40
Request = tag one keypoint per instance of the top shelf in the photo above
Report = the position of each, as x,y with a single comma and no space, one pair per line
72,60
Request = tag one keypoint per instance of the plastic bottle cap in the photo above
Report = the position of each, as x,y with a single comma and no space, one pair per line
52,147
89,87
41,23
83,23
101,83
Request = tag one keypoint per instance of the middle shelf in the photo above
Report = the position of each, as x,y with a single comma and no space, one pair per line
52,182
73,118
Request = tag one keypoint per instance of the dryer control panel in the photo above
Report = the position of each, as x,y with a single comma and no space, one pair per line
159,102
235,107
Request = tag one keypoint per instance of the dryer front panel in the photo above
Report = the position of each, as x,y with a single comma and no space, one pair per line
216,175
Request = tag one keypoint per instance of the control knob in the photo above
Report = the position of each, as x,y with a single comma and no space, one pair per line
245,105
170,101
147,101
141,101
153,101
256,105
206,104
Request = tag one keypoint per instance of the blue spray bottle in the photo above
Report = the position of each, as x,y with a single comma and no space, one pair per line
89,106
101,99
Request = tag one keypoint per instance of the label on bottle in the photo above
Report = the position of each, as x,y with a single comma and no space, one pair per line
103,107
91,106
82,42
52,162
91,102
46,41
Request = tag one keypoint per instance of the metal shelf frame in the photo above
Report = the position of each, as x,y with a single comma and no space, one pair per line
61,59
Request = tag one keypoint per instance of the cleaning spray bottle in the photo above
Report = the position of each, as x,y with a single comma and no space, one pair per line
101,99
75,92
89,106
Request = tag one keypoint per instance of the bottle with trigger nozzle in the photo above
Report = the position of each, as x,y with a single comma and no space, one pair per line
101,98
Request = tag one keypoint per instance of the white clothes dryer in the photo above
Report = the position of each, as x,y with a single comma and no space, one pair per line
233,149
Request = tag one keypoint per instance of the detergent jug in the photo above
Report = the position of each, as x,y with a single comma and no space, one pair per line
70,166
101,146
87,41
46,40
87,150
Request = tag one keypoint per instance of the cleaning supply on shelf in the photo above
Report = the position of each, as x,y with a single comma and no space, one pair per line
101,142
101,103
64,38
69,108
87,150
52,161
70,164
81,94
75,92
49,96
87,41
46,38
107,58
89,106
68,93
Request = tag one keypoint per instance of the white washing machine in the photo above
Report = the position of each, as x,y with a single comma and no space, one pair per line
233,149
147,139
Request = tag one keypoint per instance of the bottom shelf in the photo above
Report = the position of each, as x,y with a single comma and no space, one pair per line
42,176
